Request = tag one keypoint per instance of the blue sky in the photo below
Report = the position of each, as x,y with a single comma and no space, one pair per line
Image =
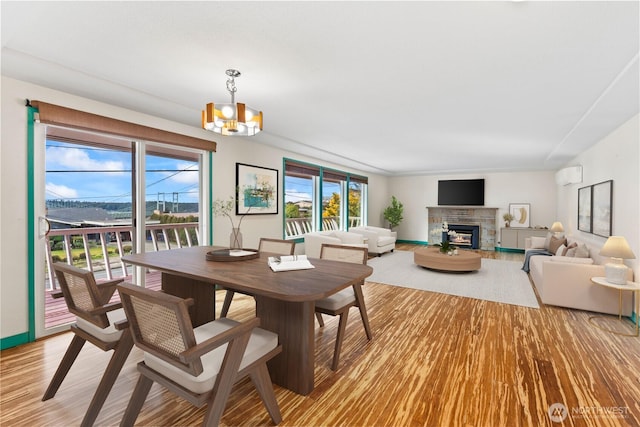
77,172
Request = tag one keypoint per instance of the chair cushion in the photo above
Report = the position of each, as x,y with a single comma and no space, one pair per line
108,334
386,240
337,300
260,343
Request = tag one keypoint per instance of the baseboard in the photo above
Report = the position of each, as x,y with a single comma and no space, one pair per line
414,242
499,249
14,341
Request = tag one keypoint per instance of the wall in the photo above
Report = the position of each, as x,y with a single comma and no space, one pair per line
417,192
615,157
13,191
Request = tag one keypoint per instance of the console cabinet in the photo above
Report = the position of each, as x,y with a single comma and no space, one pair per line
513,237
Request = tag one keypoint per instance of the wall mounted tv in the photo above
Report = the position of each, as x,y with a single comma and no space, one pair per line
461,192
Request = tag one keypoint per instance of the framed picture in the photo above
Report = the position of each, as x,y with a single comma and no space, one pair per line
521,216
601,201
256,190
584,209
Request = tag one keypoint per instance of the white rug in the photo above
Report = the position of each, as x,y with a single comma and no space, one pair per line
497,280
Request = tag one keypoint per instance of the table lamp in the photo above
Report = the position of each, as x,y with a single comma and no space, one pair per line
557,228
618,249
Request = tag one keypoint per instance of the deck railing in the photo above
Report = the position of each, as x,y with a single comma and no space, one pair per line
297,227
159,237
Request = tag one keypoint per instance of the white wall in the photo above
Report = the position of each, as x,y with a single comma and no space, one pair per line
417,192
616,157
13,186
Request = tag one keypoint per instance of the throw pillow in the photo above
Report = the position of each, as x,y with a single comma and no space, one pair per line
547,240
538,242
582,251
561,250
573,245
555,243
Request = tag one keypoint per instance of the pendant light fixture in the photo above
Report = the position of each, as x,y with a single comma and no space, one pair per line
233,119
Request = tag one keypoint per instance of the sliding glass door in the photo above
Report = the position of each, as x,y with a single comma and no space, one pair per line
98,207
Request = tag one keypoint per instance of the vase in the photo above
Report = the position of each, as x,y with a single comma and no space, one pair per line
235,239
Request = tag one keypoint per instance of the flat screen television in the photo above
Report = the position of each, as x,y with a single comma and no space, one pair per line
461,192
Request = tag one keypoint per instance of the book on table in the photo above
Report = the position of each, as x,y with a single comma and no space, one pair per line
289,262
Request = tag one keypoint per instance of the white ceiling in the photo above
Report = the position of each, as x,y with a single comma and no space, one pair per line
396,88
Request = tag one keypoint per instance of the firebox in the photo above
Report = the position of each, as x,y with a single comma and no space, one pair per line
465,236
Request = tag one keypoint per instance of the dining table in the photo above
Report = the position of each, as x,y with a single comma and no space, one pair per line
285,300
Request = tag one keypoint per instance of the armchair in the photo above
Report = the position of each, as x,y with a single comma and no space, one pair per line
379,240
201,364
98,321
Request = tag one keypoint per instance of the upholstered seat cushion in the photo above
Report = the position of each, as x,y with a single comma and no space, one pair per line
260,343
108,334
386,240
337,300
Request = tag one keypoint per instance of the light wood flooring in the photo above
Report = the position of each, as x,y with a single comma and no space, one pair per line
435,360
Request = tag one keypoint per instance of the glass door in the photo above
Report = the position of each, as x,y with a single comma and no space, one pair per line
94,198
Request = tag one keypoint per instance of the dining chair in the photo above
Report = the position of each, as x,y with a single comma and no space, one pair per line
200,365
276,246
98,321
339,303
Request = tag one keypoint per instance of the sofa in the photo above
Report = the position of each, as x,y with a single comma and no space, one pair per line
379,240
313,241
564,278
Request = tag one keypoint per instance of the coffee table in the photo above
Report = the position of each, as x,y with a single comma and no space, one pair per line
432,258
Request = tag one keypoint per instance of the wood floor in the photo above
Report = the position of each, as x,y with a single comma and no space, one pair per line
435,360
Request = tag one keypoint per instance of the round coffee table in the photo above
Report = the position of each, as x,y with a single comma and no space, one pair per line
432,258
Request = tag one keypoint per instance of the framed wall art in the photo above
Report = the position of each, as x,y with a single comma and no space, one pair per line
584,209
256,190
521,214
601,201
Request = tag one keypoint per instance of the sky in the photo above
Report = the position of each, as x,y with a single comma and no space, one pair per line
84,173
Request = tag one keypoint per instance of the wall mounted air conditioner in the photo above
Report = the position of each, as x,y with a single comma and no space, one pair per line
570,175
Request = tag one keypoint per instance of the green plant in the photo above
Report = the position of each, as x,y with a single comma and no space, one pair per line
445,246
393,212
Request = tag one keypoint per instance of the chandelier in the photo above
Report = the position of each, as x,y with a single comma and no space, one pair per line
233,119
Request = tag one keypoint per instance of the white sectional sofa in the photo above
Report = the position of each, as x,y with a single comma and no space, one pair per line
379,240
565,281
313,241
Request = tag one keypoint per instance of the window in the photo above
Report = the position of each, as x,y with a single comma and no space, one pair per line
314,199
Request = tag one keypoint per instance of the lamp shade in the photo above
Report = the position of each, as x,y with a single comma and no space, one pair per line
557,227
617,247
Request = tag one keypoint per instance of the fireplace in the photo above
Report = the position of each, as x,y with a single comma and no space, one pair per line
465,236
485,218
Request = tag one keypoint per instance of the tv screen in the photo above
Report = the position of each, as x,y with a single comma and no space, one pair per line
461,192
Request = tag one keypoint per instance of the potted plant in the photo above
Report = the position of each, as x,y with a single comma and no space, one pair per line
507,219
393,212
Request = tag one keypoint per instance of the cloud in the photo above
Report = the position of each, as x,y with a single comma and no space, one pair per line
60,191
79,160
190,176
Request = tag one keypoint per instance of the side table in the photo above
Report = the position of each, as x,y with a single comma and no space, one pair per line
631,287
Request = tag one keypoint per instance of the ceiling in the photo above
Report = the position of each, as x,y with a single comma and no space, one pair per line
395,88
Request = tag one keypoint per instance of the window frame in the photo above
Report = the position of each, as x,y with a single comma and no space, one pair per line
318,174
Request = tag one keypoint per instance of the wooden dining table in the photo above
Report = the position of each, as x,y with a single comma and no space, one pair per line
285,301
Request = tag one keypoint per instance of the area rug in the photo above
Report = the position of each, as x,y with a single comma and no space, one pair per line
497,280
